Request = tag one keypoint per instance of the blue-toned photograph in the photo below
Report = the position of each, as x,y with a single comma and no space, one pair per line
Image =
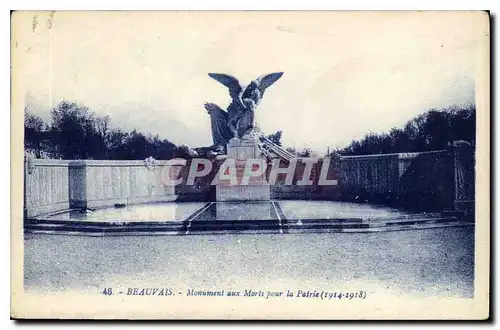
238,158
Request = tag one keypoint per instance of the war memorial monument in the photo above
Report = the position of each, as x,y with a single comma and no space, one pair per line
250,165
244,181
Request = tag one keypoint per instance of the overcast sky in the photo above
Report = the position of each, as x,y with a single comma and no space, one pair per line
345,74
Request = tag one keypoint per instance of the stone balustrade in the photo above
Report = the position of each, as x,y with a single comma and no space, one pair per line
427,181
53,185
46,183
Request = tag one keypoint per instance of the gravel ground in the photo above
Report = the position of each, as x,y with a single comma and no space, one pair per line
431,262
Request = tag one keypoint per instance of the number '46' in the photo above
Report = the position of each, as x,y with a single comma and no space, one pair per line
107,291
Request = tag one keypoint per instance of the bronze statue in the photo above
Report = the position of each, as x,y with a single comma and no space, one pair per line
239,118
220,130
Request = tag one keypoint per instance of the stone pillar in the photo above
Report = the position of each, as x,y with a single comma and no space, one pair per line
258,188
103,183
463,163
78,184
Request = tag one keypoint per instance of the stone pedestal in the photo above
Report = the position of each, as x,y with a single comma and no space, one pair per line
243,193
257,189
244,211
463,158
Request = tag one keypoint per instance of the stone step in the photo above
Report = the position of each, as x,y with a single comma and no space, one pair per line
372,221
116,228
311,225
377,229
104,223
412,218
252,231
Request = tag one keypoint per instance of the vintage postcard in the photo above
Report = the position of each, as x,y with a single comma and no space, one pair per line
250,165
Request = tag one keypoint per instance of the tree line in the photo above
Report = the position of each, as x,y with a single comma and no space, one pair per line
432,130
75,132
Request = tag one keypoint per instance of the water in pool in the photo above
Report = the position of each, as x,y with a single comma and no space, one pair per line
292,210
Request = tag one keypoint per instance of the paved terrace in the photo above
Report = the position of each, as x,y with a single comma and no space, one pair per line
430,262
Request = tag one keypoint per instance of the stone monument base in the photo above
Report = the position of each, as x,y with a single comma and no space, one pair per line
258,189
242,193
245,211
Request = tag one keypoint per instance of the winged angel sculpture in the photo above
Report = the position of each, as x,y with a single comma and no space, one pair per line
238,121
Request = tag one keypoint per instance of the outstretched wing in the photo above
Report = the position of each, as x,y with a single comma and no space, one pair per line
229,81
267,80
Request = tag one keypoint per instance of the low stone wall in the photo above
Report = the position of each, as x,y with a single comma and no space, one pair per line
427,181
97,183
415,181
46,186
371,174
281,190
54,185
